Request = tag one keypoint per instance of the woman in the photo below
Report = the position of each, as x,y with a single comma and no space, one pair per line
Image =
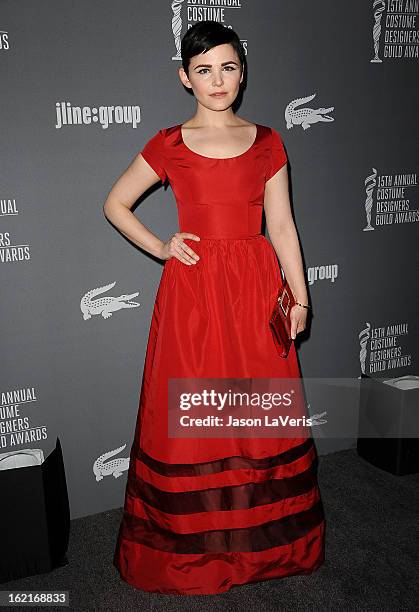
203,514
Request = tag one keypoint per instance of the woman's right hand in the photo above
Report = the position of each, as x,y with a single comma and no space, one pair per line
175,247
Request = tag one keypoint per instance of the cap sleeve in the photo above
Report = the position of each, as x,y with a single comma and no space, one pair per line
153,153
277,157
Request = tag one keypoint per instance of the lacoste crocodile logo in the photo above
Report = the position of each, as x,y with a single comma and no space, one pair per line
115,467
306,116
105,305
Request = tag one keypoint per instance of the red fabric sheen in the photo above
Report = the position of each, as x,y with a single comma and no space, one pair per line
210,320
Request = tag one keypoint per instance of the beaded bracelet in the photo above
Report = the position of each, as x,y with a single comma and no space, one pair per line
303,305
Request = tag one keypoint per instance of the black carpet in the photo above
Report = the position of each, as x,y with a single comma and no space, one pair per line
372,559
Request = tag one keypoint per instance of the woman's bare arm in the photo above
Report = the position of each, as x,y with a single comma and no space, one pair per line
136,179
283,233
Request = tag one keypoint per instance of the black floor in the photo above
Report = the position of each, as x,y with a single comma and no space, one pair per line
372,558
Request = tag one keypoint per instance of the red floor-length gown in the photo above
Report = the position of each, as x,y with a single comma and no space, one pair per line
204,515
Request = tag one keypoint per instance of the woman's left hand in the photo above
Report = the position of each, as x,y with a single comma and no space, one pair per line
298,317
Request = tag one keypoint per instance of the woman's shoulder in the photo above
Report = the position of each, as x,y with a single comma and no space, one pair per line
159,138
272,137
166,131
168,134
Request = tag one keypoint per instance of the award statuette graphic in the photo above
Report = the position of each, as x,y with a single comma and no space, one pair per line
364,336
177,26
370,184
376,31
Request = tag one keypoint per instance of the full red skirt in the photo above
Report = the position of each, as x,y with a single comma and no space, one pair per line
203,515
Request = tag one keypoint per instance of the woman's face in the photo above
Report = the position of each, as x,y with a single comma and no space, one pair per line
217,70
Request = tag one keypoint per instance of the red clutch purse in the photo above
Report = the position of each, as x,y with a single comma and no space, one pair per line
280,321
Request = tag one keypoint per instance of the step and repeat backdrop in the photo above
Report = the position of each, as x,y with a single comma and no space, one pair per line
84,86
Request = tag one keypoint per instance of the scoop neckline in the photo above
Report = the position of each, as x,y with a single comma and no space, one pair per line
219,158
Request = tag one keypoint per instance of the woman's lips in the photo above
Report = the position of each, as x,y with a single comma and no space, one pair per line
219,95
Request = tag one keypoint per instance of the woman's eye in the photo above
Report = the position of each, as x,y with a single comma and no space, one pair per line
204,70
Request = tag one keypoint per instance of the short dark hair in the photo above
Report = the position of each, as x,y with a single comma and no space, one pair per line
203,36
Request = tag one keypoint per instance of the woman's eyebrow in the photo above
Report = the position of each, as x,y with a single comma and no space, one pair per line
210,65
